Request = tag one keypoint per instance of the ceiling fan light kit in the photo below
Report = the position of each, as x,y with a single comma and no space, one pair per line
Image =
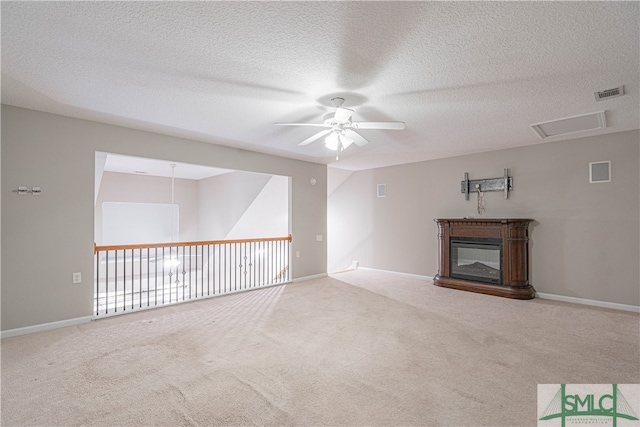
340,135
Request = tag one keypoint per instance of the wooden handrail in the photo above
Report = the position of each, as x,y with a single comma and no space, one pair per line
97,248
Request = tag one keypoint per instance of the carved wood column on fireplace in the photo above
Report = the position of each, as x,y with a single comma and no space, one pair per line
510,235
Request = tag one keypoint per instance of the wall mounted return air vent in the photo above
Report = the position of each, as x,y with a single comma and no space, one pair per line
609,93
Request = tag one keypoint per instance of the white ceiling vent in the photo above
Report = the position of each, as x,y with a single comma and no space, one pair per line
573,124
609,93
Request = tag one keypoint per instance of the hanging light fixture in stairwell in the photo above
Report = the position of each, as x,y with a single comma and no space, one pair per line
172,260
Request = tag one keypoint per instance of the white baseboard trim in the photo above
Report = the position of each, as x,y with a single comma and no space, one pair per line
44,327
583,301
595,303
305,278
398,273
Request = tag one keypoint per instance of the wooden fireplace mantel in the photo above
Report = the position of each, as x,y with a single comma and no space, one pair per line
514,235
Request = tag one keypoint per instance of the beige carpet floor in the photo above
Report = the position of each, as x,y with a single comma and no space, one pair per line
360,348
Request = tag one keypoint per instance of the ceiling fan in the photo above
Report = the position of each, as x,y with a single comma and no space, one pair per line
340,128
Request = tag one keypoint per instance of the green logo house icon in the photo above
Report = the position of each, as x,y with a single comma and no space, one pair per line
585,405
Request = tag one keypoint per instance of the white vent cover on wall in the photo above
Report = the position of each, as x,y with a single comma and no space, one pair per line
573,124
609,93
600,172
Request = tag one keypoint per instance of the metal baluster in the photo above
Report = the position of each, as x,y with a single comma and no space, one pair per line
243,260
116,284
220,264
250,265
197,272
184,272
235,259
279,261
253,263
270,265
124,280
202,269
163,277
258,263
216,265
208,267
190,270
97,255
155,292
171,282
133,283
106,283
148,276
177,282
140,278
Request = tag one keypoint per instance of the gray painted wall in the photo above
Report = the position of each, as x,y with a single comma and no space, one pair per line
584,242
47,238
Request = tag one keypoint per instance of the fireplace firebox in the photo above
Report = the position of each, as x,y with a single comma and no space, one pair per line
476,259
489,256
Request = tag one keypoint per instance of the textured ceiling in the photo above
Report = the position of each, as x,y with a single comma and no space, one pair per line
464,76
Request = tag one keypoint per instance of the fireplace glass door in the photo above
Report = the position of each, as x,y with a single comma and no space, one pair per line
479,260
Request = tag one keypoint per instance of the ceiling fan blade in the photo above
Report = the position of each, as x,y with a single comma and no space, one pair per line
378,125
301,124
357,138
314,137
342,114
346,141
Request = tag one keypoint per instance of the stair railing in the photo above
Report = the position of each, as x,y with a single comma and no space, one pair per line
135,277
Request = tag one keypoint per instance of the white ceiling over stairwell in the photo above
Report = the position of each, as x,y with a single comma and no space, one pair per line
465,77
153,167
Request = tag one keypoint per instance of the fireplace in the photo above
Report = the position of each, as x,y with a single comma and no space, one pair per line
490,256
475,259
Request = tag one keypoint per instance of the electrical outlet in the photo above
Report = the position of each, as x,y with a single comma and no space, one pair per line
77,278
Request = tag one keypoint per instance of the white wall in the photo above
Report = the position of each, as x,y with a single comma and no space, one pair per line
224,199
584,241
268,214
125,187
235,205
46,239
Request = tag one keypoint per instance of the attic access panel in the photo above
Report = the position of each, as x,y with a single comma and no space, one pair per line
569,125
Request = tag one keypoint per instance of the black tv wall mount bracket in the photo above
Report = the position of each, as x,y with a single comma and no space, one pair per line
504,184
